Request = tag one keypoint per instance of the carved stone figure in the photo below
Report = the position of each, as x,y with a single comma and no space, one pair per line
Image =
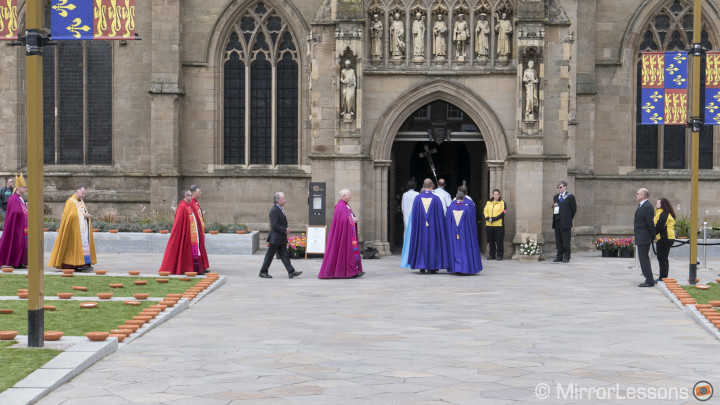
376,36
461,35
482,34
504,40
439,38
418,31
348,83
531,99
397,37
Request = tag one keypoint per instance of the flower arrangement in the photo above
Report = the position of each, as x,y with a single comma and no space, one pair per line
615,243
297,244
529,248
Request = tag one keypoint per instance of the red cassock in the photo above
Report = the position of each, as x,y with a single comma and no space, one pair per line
185,250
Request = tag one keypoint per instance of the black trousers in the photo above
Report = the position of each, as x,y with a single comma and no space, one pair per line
562,241
284,257
495,237
644,258
663,250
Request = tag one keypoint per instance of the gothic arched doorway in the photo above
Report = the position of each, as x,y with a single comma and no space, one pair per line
459,159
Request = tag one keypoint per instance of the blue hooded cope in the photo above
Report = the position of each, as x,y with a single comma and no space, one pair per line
461,224
428,239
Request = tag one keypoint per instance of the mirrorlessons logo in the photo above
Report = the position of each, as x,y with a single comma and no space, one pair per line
703,391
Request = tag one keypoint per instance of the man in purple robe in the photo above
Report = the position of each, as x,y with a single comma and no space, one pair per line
462,236
13,242
342,253
428,239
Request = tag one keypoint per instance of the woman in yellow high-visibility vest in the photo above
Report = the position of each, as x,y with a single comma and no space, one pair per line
494,213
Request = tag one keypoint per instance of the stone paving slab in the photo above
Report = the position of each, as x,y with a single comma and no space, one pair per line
399,337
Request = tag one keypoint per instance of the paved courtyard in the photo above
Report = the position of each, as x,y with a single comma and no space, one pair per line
399,337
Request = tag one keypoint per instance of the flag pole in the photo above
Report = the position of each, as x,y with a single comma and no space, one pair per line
696,126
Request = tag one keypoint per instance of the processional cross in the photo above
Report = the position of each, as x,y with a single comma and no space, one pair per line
427,154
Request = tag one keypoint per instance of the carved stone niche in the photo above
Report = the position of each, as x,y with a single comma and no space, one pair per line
348,85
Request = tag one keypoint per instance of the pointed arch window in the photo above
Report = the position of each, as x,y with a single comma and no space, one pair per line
668,146
261,91
77,102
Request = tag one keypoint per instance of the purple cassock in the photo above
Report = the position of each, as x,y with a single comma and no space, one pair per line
428,239
13,243
461,224
342,253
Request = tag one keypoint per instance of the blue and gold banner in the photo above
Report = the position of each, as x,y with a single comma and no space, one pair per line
92,19
8,20
663,84
712,88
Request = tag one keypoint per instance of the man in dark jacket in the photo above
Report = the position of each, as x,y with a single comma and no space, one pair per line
644,229
5,194
277,238
564,208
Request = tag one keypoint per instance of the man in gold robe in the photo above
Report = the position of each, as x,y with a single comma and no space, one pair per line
74,246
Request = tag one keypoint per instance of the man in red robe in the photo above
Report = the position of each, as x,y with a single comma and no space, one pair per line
13,242
342,253
195,202
184,252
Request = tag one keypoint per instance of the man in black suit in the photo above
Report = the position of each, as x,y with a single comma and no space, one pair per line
564,208
644,229
277,238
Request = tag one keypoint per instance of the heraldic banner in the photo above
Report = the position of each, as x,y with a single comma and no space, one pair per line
664,88
92,19
712,88
8,20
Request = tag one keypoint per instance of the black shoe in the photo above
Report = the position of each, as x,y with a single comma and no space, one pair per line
422,271
557,260
293,274
499,258
265,275
646,284
84,269
432,271
566,260
362,273
658,280
491,257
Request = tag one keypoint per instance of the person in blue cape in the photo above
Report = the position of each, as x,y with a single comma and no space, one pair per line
428,239
465,256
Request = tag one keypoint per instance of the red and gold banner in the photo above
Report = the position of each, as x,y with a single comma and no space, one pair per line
114,19
712,88
663,81
8,20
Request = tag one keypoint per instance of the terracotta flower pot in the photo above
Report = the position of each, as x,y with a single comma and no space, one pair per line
163,231
46,229
97,336
113,231
142,318
8,269
104,296
87,305
52,335
164,273
116,285
120,337
6,311
714,303
132,327
137,322
141,296
22,295
703,306
717,280
134,272
168,304
95,230
22,290
132,303
64,296
190,273
161,307
8,334
240,232
100,272
147,230
79,288
702,287
162,280
49,307
68,271
214,232
124,332
140,282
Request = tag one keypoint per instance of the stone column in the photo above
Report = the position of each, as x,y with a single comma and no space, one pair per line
381,207
165,102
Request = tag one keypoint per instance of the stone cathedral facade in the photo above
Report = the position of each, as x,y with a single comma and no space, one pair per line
249,97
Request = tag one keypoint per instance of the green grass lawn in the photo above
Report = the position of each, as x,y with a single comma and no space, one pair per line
703,296
69,318
9,284
19,363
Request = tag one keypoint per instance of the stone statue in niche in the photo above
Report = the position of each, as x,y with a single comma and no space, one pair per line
439,38
418,33
504,30
482,35
397,37
348,82
531,97
461,35
376,37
